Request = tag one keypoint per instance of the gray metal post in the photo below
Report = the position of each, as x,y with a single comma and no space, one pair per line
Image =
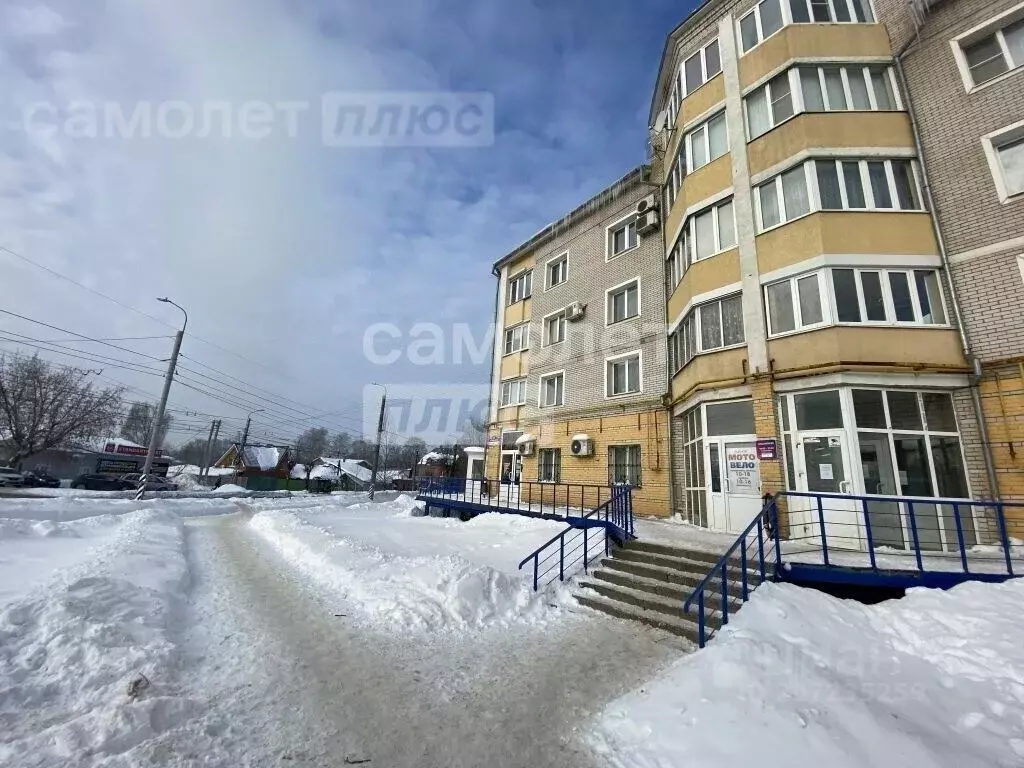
155,434
380,433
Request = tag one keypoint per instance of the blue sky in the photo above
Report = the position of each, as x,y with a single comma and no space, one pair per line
284,250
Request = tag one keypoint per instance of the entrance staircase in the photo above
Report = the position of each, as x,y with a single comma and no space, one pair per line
648,582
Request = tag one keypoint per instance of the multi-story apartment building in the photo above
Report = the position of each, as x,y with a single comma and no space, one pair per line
962,66
580,352
813,339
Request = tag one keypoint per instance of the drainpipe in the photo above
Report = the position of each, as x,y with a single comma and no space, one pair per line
979,413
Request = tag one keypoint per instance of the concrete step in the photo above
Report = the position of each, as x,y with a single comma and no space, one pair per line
691,554
677,625
682,579
663,590
680,560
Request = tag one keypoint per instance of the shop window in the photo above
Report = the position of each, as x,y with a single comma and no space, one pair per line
735,418
819,410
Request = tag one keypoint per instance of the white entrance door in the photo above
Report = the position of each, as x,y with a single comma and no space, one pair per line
823,466
735,487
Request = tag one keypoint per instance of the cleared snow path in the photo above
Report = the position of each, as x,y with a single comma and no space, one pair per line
287,682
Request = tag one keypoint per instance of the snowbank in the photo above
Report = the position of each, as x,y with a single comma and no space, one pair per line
72,641
402,572
228,489
81,505
800,678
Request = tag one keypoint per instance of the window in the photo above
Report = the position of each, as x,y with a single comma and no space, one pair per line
675,176
888,296
558,270
552,390
517,338
850,87
520,287
623,302
708,232
769,16
838,185
995,49
622,237
701,67
784,198
549,465
707,142
705,328
1005,152
794,304
769,105
554,329
676,264
622,375
624,465
693,468
513,392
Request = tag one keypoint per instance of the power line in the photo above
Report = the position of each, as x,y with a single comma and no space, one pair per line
107,362
79,335
130,308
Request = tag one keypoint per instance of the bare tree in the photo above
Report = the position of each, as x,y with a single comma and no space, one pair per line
138,424
340,445
311,445
46,406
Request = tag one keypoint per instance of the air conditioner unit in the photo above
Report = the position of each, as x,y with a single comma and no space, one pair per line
526,449
647,222
649,203
575,311
582,445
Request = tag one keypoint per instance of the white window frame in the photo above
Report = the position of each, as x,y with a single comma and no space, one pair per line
679,353
562,313
887,301
794,294
637,353
690,255
786,13
676,174
540,389
675,263
799,99
814,193
561,259
991,144
993,26
515,295
524,338
520,383
616,289
609,239
704,79
704,136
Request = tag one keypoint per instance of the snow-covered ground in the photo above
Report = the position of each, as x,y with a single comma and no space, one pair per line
799,678
402,571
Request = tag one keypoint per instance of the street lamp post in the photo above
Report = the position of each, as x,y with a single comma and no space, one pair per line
162,407
380,434
245,435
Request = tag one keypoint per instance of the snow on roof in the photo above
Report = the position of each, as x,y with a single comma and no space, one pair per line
191,469
264,457
435,456
333,469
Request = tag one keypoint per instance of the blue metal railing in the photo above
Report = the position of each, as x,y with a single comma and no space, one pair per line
891,533
539,499
884,532
761,536
578,544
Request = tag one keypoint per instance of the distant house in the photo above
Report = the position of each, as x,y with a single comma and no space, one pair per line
436,464
259,466
344,474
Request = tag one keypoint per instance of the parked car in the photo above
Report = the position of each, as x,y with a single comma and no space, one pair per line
40,478
10,478
100,482
153,482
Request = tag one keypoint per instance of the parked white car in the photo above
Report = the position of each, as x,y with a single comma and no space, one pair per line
10,478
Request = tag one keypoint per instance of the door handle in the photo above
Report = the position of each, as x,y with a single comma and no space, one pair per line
725,484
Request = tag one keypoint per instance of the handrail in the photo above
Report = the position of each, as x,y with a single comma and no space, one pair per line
767,517
622,497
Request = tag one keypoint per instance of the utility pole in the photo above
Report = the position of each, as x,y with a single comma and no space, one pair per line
204,471
380,433
245,436
172,364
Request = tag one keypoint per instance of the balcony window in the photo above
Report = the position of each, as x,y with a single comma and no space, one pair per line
794,304
513,392
707,327
517,338
769,16
520,287
707,142
701,67
888,296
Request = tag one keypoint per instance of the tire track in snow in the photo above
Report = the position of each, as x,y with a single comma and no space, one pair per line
300,686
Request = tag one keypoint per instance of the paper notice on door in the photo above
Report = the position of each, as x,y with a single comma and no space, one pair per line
825,471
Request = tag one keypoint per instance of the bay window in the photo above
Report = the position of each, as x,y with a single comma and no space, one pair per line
769,16
701,67
707,327
794,304
836,185
706,142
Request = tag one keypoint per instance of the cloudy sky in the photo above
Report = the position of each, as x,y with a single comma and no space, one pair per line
285,251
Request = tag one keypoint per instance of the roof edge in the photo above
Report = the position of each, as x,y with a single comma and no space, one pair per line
636,176
695,15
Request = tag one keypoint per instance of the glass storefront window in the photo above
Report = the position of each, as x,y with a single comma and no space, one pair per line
938,411
868,408
731,418
819,410
904,412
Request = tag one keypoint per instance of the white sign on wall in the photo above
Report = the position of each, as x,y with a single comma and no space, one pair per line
744,470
